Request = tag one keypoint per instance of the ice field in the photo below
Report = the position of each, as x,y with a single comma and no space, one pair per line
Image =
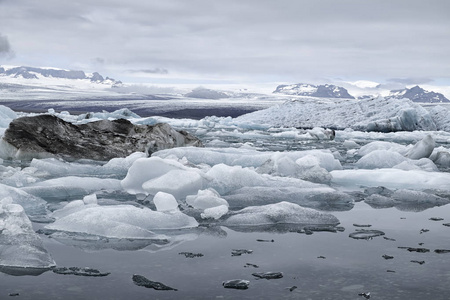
274,181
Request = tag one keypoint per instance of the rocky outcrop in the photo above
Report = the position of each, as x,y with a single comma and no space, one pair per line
418,94
47,135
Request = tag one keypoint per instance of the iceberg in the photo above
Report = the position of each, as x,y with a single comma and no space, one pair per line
120,221
279,213
20,246
372,114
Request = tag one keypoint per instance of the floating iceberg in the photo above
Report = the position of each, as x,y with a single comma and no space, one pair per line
120,221
373,114
20,246
279,213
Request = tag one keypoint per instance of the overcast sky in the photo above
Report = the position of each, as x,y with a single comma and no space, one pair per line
233,41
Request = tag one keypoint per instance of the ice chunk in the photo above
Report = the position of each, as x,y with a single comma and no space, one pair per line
165,202
322,134
246,157
6,116
70,187
121,221
179,183
442,159
145,169
215,212
319,197
20,246
121,165
421,149
380,159
280,213
421,164
206,199
31,204
349,144
381,145
392,178
90,199
226,178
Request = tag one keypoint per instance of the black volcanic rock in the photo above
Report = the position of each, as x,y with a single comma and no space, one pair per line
47,135
322,91
418,94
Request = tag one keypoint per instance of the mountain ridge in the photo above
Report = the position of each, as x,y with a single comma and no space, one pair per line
311,90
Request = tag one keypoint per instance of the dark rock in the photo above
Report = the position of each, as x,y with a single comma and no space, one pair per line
424,230
47,135
239,284
365,234
419,250
390,271
446,224
251,265
190,254
362,225
268,241
365,295
389,239
440,251
385,256
322,257
239,252
13,294
142,281
420,262
79,271
292,288
436,219
268,275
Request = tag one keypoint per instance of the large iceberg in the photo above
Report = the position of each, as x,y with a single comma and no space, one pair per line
373,114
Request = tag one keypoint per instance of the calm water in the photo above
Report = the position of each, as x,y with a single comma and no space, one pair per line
323,265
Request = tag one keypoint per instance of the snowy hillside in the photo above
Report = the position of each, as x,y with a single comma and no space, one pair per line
322,91
418,94
49,76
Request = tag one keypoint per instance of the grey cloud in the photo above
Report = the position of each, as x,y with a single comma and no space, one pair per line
150,71
409,81
257,39
5,47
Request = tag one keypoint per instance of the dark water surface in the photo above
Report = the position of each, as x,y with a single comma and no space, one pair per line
323,265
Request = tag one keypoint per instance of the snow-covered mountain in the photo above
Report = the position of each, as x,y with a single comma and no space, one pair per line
23,72
305,89
418,94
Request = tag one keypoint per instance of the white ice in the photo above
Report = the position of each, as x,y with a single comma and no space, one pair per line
20,246
391,178
165,202
280,213
119,221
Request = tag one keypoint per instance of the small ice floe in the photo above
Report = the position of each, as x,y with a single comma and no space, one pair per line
140,280
239,252
365,234
79,271
268,275
365,295
239,284
412,249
